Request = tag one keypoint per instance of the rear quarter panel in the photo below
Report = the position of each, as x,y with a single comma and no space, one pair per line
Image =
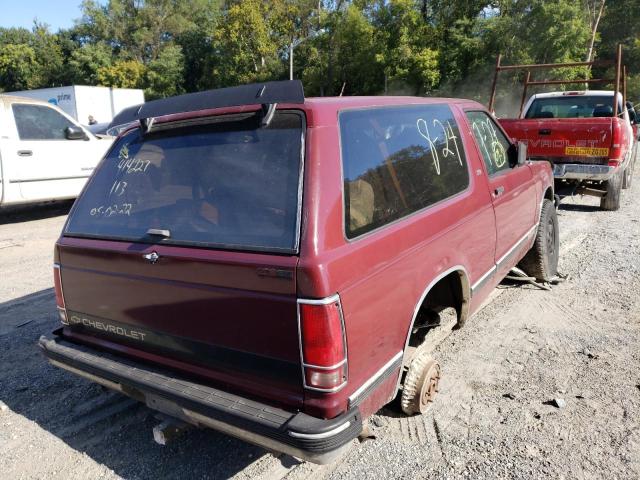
382,276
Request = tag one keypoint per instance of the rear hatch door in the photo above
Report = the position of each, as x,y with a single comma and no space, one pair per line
182,250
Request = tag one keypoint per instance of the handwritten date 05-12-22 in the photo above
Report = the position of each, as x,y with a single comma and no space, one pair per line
111,210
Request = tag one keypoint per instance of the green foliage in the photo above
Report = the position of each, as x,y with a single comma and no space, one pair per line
164,74
121,74
244,44
87,61
350,47
18,67
404,40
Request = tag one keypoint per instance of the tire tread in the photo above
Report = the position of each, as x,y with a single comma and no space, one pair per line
535,262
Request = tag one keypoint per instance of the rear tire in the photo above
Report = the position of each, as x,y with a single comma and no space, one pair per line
613,187
420,384
541,261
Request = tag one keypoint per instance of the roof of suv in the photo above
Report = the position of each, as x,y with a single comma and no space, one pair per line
269,95
323,110
378,100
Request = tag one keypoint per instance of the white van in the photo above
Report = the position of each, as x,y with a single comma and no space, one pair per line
44,153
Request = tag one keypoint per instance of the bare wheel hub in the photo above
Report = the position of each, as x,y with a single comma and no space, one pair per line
429,387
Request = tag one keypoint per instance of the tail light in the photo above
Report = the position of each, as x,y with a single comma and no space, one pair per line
57,283
617,141
323,345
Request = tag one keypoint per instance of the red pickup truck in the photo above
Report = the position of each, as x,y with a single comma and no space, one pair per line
269,266
591,151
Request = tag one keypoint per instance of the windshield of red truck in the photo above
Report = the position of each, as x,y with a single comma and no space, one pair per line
229,184
572,106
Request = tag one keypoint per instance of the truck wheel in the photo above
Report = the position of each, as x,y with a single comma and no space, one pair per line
613,186
541,261
420,384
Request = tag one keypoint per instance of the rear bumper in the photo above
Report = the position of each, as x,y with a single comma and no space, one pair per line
579,171
297,434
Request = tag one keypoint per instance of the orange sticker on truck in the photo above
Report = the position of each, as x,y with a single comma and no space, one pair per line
587,151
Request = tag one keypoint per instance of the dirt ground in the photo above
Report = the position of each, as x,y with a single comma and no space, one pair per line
493,418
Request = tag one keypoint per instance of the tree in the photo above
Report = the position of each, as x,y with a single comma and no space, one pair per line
87,61
18,67
409,64
121,74
244,45
164,74
48,69
349,47
595,9
294,21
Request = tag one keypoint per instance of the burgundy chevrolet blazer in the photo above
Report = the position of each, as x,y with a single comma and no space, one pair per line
271,266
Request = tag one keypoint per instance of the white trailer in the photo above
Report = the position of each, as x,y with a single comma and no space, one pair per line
80,101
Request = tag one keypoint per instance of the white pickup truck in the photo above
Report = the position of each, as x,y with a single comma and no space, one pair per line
44,153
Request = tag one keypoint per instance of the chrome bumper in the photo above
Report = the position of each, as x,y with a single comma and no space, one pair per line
580,171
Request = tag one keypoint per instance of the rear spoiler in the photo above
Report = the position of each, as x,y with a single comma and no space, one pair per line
267,94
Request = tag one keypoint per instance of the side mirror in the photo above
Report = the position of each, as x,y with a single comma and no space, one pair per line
517,154
75,133
522,153
633,118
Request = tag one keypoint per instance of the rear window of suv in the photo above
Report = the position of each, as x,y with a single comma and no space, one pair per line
227,184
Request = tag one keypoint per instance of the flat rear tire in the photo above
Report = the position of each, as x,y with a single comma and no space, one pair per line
420,384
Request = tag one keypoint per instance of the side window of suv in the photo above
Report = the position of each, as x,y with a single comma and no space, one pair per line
493,145
398,160
38,122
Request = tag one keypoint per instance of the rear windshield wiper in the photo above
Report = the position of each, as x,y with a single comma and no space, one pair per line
157,232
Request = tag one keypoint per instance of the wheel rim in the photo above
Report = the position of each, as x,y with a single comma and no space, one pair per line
429,385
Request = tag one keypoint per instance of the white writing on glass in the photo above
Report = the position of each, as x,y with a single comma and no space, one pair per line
131,165
111,210
118,188
448,138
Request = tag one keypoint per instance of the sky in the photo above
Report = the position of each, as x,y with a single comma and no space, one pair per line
57,13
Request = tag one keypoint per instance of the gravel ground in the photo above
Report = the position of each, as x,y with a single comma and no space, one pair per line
494,417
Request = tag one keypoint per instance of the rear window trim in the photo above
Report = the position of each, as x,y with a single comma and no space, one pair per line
409,216
206,245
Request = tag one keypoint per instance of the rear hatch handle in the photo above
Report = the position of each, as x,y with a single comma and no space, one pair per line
544,131
158,232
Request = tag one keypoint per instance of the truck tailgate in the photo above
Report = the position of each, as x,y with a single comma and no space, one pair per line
563,139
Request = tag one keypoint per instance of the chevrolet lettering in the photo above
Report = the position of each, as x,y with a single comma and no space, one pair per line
105,327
